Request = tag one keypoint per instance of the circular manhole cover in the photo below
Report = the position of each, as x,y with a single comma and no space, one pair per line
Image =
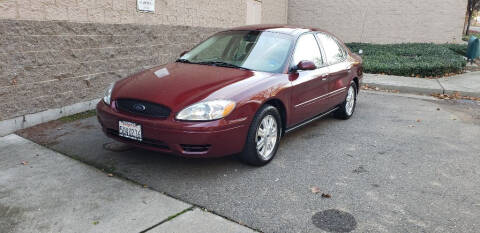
117,147
334,221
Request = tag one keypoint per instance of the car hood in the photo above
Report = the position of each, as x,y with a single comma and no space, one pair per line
178,85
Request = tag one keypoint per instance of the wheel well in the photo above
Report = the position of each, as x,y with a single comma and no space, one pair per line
356,83
281,108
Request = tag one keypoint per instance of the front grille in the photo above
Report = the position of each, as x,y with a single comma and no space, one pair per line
195,148
143,108
145,141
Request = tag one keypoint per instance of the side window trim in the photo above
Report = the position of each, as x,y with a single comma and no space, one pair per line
344,52
322,51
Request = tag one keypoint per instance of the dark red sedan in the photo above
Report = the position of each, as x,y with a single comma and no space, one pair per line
238,92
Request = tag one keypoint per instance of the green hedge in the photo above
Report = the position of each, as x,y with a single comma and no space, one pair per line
415,59
461,49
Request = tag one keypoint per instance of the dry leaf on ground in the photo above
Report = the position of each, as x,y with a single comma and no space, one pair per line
326,195
315,189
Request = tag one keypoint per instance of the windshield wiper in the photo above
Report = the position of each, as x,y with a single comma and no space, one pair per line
212,63
184,61
222,64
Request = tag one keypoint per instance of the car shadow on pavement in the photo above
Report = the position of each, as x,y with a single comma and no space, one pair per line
84,140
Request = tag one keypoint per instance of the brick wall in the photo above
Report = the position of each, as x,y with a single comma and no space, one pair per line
55,53
50,64
274,11
204,13
383,21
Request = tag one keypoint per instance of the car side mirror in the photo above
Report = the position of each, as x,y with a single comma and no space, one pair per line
306,65
183,53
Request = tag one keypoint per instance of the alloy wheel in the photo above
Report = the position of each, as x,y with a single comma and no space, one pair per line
266,137
350,102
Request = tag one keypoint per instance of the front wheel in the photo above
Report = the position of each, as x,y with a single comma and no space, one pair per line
263,137
347,108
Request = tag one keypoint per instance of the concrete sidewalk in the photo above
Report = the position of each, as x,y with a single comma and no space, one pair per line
44,191
467,84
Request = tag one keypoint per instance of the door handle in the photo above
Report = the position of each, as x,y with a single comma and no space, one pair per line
349,68
324,76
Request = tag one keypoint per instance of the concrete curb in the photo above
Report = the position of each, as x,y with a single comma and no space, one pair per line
462,93
404,84
406,89
465,85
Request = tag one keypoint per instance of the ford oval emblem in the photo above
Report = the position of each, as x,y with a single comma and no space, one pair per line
139,107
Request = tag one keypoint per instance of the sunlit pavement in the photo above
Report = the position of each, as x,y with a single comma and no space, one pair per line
44,191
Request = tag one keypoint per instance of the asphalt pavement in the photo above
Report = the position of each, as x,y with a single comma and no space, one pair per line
400,164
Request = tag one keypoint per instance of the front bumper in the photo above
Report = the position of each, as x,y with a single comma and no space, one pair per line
188,139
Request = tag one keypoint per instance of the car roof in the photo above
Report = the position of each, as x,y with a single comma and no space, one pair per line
280,28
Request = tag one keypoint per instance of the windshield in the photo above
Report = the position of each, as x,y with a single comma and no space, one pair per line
253,50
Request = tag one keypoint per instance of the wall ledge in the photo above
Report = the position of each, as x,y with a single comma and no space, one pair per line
11,125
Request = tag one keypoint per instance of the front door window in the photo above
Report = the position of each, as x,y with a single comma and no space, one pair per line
307,49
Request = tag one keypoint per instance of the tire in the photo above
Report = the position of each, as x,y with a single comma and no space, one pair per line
346,109
258,157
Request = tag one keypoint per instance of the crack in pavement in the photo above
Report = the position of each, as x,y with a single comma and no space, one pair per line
169,218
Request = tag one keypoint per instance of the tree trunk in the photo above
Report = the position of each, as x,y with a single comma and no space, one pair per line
468,24
466,18
470,13
465,23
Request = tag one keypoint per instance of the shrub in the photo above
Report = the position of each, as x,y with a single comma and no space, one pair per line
460,49
415,59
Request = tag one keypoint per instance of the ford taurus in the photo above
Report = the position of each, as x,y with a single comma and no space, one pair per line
236,93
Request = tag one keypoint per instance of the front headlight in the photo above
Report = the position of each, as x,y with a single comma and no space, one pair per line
207,111
108,94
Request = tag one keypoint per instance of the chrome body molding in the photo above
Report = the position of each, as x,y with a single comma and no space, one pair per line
322,97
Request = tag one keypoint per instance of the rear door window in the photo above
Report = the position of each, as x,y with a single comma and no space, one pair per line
333,51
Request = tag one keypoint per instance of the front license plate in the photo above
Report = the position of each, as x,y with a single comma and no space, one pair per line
130,130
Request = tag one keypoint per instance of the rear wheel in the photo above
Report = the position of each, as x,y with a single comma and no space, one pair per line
347,108
263,137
